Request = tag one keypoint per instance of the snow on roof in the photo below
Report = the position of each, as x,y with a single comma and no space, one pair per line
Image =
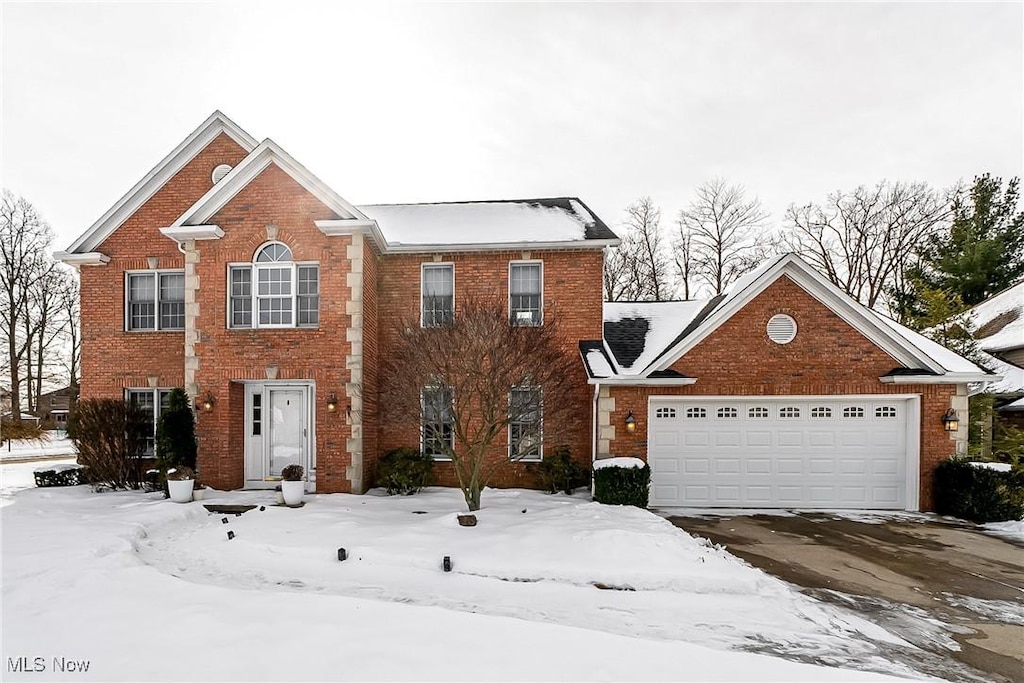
998,322
949,360
1012,376
598,364
1016,406
638,331
513,221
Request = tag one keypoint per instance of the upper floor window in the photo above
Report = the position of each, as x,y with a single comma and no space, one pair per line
525,293
437,289
156,300
286,293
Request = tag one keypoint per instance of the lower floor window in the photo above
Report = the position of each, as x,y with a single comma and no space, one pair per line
438,424
525,423
152,402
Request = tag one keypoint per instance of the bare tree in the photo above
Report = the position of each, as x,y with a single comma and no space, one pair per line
46,326
722,228
70,312
639,269
24,262
682,253
864,240
469,382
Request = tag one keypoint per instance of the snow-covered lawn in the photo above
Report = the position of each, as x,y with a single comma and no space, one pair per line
146,589
53,444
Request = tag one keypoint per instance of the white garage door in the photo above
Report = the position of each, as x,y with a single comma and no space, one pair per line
780,452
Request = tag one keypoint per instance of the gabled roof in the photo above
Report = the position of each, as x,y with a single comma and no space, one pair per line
192,145
646,339
259,159
520,222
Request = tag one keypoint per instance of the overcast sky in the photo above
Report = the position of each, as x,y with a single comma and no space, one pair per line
435,102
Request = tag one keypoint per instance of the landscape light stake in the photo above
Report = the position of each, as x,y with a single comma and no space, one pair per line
223,520
231,534
447,563
342,554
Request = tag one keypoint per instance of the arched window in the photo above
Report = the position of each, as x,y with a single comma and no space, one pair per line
286,293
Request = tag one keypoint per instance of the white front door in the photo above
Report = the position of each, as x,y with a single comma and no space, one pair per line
784,452
279,431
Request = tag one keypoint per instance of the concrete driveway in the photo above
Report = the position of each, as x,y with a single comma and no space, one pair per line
954,592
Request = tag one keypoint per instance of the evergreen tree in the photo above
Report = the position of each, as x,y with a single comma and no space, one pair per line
983,252
176,433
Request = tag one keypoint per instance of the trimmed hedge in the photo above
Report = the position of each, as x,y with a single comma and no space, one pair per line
404,471
622,485
64,475
559,472
979,494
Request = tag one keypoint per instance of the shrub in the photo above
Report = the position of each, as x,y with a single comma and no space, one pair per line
559,472
176,433
23,429
292,473
110,437
180,474
622,485
404,470
979,494
59,475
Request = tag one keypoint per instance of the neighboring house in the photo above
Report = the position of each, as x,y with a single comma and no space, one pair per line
5,400
54,407
271,299
997,325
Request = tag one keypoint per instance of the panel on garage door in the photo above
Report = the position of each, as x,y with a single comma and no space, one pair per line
778,452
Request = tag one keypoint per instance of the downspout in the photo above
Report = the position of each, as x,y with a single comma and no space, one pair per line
593,434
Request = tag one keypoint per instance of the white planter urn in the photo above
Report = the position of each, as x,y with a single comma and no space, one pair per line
181,491
292,491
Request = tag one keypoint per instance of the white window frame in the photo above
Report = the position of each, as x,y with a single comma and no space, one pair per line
157,408
511,315
425,266
442,457
540,431
254,296
155,274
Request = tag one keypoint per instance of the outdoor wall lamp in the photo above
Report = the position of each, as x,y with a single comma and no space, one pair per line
630,422
950,421
208,402
332,402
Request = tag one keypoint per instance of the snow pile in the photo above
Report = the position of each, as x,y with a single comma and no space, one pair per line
524,578
624,463
997,466
1011,530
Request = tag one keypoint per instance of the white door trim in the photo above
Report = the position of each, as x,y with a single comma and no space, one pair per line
257,448
912,497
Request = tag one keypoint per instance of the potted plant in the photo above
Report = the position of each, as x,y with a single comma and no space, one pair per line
180,481
292,485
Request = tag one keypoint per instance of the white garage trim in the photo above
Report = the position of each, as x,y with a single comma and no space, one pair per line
912,436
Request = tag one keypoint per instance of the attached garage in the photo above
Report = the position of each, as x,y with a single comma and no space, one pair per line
784,452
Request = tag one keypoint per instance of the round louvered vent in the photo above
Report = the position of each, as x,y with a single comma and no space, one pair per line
781,329
220,172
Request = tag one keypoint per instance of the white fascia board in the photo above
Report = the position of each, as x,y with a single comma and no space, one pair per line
351,225
268,152
90,258
948,378
821,289
644,381
399,248
187,150
193,232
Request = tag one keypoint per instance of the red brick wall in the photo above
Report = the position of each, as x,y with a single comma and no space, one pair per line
572,292
227,355
827,357
113,359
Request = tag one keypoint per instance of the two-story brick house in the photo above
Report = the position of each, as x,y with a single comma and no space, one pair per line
234,272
